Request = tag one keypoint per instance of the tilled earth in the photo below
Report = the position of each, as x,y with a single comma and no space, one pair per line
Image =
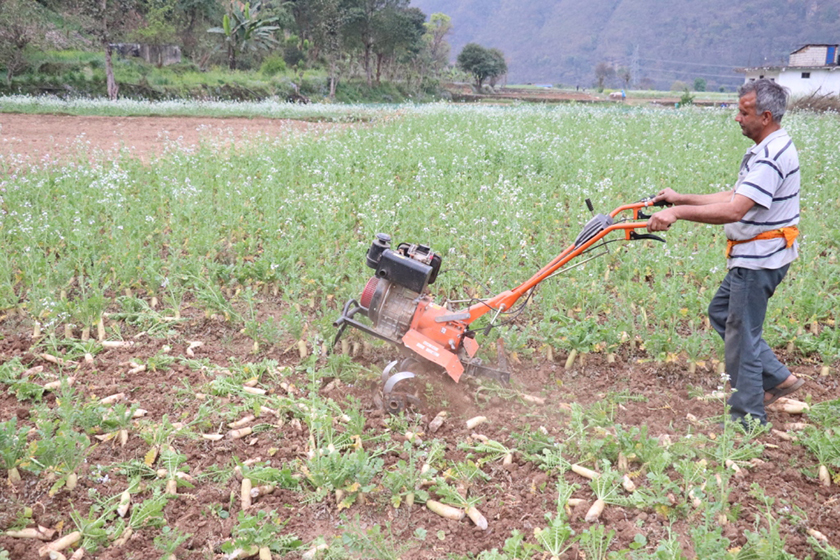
517,496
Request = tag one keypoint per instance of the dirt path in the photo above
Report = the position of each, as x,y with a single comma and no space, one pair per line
32,138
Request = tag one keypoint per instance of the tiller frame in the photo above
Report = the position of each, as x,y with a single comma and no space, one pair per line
400,310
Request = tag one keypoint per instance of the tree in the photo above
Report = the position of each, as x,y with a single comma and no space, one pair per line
364,20
482,63
438,27
326,30
106,20
625,76
245,28
699,84
398,35
501,65
20,27
160,24
604,72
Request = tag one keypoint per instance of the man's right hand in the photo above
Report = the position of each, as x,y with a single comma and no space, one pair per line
667,195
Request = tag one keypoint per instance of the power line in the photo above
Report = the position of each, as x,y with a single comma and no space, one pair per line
689,72
688,63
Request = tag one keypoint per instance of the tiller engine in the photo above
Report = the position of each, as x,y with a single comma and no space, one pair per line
400,310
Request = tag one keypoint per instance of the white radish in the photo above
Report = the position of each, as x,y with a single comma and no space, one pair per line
172,486
32,371
789,406
628,484
473,422
14,476
264,490
125,503
57,361
817,535
825,477
245,493
116,344
313,552
622,462
191,348
532,399
111,399
58,545
584,472
212,437
254,390
570,361
437,421
53,385
782,435
30,533
595,511
240,433
124,537
449,512
477,518
242,421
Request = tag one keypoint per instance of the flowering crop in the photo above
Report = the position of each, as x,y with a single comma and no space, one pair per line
498,191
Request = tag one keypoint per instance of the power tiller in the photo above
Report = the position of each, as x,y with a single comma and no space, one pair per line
432,337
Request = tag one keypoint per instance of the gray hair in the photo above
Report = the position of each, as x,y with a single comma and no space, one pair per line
769,96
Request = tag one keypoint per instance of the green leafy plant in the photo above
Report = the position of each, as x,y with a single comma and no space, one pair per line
404,480
12,448
491,450
595,541
348,474
556,538
260,531
169,540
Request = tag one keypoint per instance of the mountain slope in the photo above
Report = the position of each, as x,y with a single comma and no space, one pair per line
561,41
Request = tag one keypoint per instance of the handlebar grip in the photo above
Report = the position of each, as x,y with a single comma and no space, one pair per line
589,205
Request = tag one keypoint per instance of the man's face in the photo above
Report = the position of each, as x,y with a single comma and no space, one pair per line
752,124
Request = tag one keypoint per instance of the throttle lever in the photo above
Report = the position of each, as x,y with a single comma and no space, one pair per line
640,236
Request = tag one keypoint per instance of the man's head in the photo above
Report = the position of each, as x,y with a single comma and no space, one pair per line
761,106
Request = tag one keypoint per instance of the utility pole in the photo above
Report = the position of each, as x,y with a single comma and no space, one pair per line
634,65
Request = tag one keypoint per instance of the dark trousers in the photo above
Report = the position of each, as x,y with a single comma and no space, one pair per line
737,313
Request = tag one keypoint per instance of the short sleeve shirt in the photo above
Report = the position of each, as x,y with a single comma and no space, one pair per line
769,176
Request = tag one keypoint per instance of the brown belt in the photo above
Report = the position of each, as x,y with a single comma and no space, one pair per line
790,234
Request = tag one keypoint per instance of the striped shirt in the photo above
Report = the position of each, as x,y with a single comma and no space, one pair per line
769,176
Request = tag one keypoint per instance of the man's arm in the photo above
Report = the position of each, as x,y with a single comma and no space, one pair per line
719,212
677,199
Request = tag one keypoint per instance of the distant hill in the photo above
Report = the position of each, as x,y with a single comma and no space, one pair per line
561,41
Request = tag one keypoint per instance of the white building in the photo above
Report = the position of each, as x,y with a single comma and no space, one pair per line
810,69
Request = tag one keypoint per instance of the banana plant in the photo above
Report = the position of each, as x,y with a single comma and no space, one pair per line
245,29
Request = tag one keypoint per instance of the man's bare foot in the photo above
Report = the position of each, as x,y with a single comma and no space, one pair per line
786,387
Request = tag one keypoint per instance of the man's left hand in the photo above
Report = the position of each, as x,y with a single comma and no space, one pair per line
662,220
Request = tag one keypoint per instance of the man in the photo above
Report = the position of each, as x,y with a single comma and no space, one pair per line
760,215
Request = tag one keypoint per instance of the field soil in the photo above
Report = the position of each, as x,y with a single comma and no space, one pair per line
662,397
34,138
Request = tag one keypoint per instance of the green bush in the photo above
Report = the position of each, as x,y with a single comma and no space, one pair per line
272,66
